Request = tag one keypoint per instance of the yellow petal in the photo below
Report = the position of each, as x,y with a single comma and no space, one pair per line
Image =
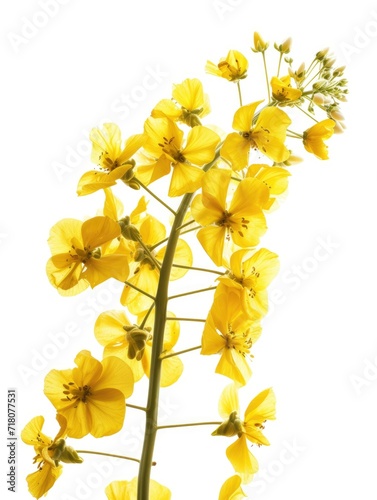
61,234
231,489
185,179
234,365
108,266
201,145
107,411
261,408
228,401
212,240
235,150
108,327
99,230
116,375
42,480
243,461
189,94
243,117
32,433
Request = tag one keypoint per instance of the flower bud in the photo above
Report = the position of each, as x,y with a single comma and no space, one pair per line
129,231
321,54
259,44
229,428
285,47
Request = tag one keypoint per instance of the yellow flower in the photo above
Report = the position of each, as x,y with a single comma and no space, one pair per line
250,274
259,44
275,178
267,135
282,90
92,396
189,103
127,490
78,257
144,271
231,489
166,146
49,452
113,159
233,67
260,409
242,220
229,332
134,345
314,136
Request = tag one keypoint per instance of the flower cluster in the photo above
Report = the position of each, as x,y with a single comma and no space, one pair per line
227,184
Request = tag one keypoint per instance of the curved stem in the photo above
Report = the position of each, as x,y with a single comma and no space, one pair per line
138,289
109,455
187,425
239,92
161,303
181,352
155,196
191,293
192,268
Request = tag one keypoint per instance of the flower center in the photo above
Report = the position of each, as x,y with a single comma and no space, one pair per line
241,342
75,393
232,225
169,148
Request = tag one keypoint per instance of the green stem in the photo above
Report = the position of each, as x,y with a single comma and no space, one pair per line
148,252
192,268
239,92
187,425
146,316
185,224
266,73
135,407
280,58
155,196
181,352
174,318
191,293
110,455
307,114
139,289
161,303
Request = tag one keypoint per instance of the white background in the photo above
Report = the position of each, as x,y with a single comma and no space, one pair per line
318,350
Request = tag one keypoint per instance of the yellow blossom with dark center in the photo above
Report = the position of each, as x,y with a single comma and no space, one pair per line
92,396
49,454
167,149
233,67
267,135
314,137
240,221
250,428
282,90
188,105
231,333
79,257
114,159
